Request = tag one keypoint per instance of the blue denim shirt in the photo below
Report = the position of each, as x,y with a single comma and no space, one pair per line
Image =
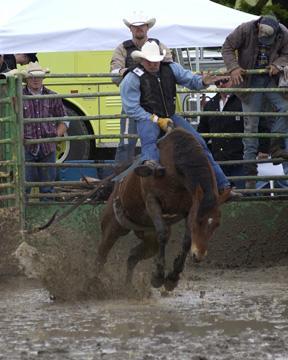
130,90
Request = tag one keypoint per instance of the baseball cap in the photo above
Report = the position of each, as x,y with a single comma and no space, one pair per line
268,28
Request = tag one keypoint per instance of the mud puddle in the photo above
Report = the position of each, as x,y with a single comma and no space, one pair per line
213,314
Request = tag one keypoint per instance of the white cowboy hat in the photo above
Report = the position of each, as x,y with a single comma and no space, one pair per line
150,51
33,68
138,19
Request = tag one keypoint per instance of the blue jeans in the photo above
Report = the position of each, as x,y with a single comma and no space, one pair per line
149,133
34,173
235,170
254,103
125,151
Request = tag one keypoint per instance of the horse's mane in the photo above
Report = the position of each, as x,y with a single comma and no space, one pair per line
191,162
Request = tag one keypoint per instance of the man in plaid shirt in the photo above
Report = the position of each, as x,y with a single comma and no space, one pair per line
37,108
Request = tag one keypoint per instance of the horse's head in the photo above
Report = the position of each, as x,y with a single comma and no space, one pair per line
204,224
202,230
194,169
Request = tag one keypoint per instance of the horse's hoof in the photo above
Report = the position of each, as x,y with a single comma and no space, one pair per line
170,285
171,282
157,281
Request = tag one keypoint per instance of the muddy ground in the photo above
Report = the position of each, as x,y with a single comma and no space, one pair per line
213,314
218,311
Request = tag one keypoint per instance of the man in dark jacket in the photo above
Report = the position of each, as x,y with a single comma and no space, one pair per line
256,45
224,148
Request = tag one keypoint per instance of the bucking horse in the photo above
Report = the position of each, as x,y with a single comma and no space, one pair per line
149,206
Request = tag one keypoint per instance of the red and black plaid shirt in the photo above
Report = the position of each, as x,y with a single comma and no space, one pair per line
39,108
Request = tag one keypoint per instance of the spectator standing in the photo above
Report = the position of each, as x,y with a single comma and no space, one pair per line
38,108
254,45
224,148
139,24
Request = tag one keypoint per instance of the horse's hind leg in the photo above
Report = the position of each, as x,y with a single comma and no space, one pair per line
172,278
111,231
146,249
163,232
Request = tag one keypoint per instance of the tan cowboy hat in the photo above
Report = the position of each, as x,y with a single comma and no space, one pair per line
33,68
138,19
150,51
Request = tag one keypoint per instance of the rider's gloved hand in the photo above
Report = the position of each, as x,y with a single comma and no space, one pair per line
163,123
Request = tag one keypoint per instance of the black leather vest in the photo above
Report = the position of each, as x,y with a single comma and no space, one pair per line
158,93
130,47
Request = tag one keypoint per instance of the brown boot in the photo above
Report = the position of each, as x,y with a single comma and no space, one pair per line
277,151
149,168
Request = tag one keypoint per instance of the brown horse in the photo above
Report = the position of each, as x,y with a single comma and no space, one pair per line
150,205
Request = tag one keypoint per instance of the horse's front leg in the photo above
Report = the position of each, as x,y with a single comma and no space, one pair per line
172,278
162,230
145,250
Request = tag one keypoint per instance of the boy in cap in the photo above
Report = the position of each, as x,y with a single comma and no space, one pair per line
139,24
258,44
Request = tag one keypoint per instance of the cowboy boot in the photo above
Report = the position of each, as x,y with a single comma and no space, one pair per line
149,168
277,151
229,194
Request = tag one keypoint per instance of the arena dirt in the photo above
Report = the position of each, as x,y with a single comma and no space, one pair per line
215,313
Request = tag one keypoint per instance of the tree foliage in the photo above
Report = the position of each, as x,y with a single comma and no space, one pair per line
279,8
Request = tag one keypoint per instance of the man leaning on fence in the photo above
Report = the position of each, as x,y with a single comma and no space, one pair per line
258,44
38,108
139,24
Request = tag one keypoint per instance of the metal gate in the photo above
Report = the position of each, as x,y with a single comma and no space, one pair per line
12,142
